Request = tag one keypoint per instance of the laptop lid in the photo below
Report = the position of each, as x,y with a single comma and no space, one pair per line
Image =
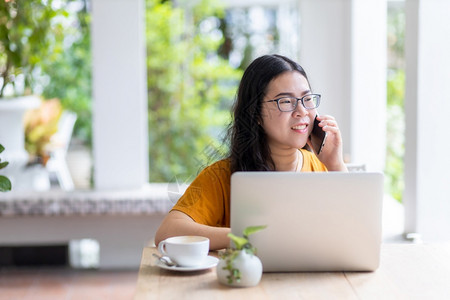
315,221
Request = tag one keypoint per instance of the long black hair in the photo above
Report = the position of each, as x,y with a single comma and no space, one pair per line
249,150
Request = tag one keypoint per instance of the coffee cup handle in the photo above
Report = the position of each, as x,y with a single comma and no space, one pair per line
161,248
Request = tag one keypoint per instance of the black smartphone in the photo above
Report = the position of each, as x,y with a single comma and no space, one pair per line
317,137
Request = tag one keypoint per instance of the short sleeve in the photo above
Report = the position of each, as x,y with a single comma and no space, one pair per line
207,198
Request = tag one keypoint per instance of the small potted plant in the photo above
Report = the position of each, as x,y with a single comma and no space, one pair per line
5,184
239,266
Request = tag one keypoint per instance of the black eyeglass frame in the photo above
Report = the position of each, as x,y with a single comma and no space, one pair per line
296,103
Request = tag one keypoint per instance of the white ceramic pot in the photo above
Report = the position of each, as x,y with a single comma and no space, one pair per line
12,135
249,266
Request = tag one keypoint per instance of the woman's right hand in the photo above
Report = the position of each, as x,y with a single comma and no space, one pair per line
331,154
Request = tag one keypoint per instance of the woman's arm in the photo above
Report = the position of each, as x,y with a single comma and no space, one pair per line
178,223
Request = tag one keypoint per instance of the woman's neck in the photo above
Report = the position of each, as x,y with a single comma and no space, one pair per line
287,159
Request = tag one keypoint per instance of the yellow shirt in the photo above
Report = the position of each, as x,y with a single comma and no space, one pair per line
207,199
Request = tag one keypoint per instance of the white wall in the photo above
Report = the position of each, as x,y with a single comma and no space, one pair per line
368,80
343,49
427,105
120,134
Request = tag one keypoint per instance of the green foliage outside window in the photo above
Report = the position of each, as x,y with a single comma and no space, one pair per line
68,70
395,139
25,40
190,87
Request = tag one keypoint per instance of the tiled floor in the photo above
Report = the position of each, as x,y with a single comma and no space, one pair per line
64,283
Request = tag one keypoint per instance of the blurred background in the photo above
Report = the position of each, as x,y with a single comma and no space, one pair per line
124,95
197,52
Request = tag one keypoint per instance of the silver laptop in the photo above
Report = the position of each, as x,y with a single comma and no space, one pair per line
315,221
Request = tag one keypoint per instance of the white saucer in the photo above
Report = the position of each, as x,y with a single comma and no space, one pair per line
209,262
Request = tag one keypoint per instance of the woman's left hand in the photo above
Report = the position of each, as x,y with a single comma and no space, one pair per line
331,154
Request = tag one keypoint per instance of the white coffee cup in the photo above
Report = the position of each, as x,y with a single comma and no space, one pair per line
185,251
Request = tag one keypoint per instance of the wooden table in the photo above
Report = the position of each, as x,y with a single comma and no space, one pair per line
407,271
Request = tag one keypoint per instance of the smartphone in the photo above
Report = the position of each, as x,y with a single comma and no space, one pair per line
317,137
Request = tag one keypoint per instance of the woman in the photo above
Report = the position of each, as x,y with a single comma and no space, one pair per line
273,118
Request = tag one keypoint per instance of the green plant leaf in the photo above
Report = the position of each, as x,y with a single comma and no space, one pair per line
242,244
3,164
238,241
5,184
1,148
252,229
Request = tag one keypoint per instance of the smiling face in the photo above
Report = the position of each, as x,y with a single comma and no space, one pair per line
287,130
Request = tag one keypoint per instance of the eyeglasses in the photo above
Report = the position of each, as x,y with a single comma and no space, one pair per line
310,101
